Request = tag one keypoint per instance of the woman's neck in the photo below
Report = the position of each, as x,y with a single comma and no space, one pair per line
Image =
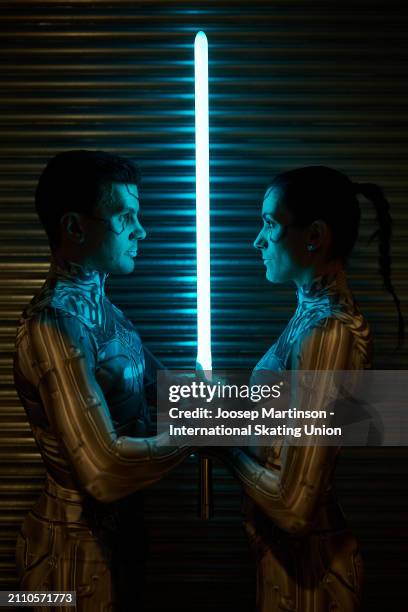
308,275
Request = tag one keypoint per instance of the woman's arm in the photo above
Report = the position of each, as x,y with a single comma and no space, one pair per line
290,496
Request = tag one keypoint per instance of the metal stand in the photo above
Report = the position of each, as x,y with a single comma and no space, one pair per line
206,492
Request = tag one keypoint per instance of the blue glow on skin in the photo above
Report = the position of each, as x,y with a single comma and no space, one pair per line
127,373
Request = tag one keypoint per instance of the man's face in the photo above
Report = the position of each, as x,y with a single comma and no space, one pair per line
113,230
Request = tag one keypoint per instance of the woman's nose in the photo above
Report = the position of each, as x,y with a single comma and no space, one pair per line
260,242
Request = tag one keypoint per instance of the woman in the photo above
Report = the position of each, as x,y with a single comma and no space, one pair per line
306,558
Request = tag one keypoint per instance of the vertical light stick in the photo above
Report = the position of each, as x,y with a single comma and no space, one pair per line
204,361
202,203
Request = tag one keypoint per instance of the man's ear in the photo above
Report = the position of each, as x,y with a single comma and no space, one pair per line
72,227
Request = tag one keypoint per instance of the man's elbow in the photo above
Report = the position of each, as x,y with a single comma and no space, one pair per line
106,488
103,490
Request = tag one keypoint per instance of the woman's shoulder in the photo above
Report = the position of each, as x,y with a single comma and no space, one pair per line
337,341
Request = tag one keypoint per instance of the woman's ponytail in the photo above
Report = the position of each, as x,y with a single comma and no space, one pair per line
382,207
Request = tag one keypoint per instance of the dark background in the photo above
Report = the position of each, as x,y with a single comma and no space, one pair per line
291,83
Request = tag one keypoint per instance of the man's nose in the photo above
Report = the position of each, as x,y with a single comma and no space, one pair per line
138,232
260,242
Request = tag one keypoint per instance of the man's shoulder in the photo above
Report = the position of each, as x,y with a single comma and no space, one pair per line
50,311
58,303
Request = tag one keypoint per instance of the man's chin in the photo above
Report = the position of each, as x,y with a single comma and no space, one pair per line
125,267
129,268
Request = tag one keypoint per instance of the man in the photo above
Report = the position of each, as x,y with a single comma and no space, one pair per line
80,373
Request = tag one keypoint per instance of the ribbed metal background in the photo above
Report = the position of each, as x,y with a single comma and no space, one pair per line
291,83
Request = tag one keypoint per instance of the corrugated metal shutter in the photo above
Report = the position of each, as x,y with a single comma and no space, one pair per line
292,83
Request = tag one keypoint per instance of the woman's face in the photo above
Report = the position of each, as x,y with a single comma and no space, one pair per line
283,245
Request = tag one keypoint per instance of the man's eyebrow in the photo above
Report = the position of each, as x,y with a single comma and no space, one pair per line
124,209
131,193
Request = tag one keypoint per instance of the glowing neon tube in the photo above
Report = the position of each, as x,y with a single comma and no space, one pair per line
204,360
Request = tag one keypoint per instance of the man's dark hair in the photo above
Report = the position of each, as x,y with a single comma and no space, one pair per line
76,181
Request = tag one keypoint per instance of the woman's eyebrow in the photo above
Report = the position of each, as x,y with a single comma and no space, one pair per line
268,191
267,215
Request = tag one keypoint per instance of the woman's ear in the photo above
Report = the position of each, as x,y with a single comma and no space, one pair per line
319,234
72,227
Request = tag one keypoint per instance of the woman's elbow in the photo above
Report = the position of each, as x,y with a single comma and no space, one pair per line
297,525
295,522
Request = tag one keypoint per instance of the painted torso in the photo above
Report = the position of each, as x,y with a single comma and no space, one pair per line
313,570
326,297
114,350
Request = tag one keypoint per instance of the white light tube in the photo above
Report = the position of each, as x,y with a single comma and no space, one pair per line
204,360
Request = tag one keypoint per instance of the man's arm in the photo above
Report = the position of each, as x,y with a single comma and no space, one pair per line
107,466
152,366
